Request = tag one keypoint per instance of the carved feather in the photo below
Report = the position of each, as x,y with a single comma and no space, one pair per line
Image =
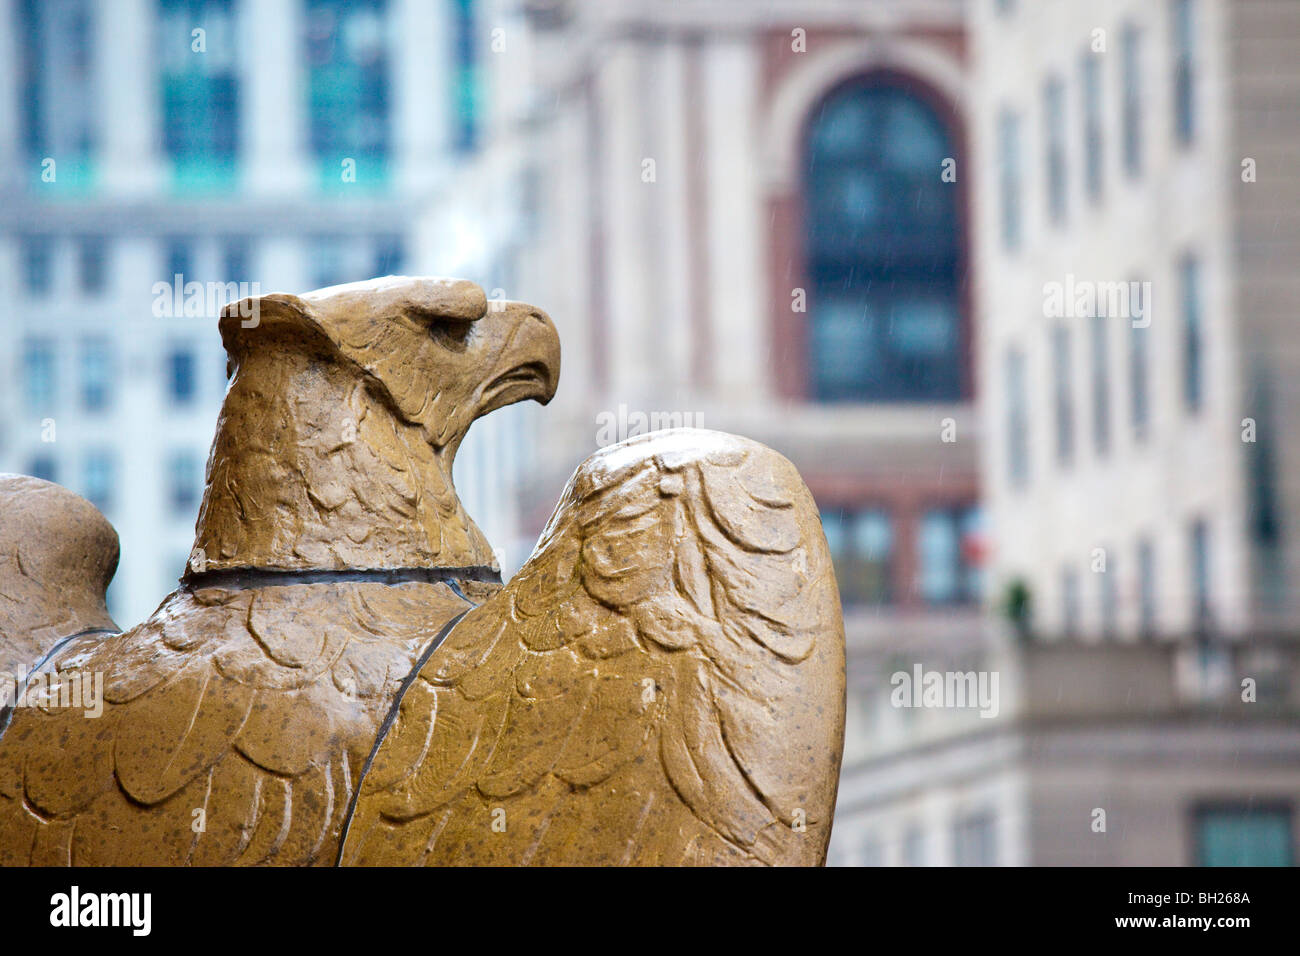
235,727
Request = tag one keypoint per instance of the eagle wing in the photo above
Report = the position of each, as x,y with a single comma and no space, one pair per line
234,726
57,555
662,683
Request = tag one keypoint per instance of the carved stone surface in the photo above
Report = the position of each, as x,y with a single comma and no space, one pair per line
340,676
57,555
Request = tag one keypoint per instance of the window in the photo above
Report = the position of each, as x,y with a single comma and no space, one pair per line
1054,128
184,481
347,57
1009,178
1139,341
1200,564
947,573
327,262
1069,602
96,379
465,76
38,264
58,80
389,254
200,91
235,259
40,380
1100,333
1094,160
974,840
44,467
1108,597
1184,93
90,263
1146,588
1190,294
98,479
1017,419
1244,835
1262,468
883,252
180,375
862,545
1062,394
179,256
1131,116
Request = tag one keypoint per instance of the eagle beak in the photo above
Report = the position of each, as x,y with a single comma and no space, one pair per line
528,364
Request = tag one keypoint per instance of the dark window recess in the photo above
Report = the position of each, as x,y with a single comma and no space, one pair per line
883,250
44,466
180,376
91,256
38,264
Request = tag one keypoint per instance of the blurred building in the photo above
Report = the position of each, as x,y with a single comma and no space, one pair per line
1133,223
1136,222
149,144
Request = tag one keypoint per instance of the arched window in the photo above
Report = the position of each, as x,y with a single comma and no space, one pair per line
883,249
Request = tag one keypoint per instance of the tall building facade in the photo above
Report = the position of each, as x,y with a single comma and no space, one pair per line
1134,219
160,157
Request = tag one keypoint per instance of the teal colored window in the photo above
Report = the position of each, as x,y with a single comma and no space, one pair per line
99,479
59,98
96,379
1244,836
348,91
40,378
465,78
200,92
180,375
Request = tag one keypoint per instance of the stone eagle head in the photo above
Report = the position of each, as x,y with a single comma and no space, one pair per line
346,407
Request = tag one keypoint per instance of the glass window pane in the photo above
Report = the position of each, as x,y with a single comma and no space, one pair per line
1244,836
98,479
939,547
180,375
883,249
96,379
40,382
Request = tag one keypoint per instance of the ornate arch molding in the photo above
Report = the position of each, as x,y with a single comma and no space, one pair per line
818,74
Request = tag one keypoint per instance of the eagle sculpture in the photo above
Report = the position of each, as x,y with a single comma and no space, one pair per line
340,677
